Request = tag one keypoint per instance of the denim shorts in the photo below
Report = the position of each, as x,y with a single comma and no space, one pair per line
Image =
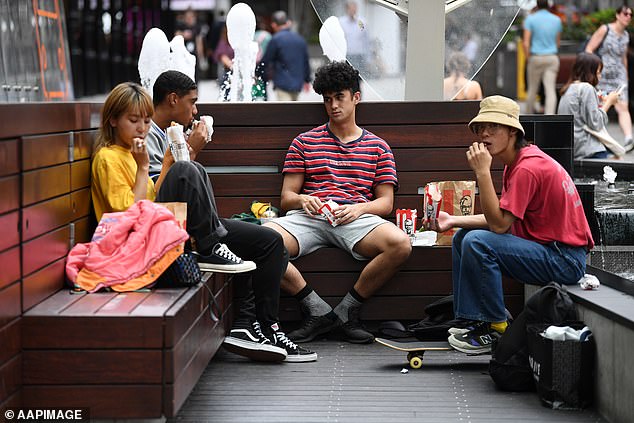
314,232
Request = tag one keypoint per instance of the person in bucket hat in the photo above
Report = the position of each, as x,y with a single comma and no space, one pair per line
536,232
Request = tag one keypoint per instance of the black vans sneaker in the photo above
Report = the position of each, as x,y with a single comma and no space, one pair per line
250,342
294,353
223,260
476,341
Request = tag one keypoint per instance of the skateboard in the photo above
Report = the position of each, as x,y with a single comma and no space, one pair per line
415,349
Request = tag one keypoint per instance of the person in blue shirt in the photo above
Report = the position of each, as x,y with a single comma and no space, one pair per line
286,60
542,32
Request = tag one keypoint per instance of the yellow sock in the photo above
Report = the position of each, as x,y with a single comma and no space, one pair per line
499,326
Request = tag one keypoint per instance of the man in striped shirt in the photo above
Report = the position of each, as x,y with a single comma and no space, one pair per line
340,162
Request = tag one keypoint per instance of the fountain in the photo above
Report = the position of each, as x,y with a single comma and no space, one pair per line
611,217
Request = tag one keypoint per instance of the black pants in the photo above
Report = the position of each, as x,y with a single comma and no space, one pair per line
188,182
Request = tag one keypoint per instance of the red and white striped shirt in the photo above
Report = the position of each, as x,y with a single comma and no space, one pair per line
346,173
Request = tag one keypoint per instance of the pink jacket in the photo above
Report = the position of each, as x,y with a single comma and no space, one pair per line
129,249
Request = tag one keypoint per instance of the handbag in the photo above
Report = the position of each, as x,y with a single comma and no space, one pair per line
606,139
183,272
563,370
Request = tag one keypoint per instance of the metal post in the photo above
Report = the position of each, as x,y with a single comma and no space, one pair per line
425,63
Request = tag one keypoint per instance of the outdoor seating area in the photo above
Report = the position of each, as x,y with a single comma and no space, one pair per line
153,347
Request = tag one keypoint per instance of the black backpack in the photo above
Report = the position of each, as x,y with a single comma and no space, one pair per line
509,366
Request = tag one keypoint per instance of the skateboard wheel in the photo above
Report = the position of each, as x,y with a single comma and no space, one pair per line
416,362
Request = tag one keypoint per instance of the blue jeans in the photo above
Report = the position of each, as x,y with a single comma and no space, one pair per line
480,257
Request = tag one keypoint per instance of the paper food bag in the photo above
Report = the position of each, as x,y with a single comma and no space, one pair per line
458,199
179,210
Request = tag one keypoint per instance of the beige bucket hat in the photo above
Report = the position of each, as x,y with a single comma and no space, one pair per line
499,109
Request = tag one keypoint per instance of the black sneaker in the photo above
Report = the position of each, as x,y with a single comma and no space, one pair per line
294,353
312,327
476,341
223,260
250,342
353,331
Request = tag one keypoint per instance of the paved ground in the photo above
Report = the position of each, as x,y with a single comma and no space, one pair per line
362,383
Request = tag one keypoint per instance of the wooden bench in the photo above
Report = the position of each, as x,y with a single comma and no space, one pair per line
131,355
139,355
429,141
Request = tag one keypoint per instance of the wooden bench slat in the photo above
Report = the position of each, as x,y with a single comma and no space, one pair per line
176,393
159,301
123,304
10,265
10,230
10,189
279,138
84,228
46,216
45,249
9,162
255,185
11,340
45,150
97,332
83,142
80,174
9,303
88,304
42,184
55,304
80,203
90,367
43,283
11,377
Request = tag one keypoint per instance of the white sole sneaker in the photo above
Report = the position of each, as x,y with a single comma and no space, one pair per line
245,266
254,350
301,358
466,348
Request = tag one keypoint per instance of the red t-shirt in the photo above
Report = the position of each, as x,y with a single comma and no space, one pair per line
544,199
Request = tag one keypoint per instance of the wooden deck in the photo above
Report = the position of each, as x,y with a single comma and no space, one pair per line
361,383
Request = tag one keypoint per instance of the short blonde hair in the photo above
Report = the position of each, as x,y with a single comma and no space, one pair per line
125,97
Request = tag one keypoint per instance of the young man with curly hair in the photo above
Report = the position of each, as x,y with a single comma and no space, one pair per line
349,165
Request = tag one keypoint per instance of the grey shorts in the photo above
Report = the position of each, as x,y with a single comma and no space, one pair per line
314,232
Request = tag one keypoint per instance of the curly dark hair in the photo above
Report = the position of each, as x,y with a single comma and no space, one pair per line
335,77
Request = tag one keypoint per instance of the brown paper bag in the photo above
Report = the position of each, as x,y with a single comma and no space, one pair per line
179,210
458,199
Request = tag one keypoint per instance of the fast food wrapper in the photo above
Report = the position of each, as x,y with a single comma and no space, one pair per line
209,122
177,143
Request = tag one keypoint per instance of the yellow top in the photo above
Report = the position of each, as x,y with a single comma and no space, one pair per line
113,175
